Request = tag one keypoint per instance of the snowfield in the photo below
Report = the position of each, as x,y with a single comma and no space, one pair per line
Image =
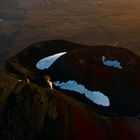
95,96
46,62
111,63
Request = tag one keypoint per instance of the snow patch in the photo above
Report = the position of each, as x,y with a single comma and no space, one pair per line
46,62
95,96
111,63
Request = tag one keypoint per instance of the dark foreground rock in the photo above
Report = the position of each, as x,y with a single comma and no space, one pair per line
30,110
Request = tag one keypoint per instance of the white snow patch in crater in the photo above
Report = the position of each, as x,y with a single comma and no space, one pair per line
46,62
95,96
111,63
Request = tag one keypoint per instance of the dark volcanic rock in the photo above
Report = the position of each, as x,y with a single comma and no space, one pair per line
31,55
86,67
30,110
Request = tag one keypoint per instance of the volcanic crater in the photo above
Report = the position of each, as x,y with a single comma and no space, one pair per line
85,65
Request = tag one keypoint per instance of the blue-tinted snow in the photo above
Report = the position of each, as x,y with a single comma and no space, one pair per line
46,62
96,96
111,63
